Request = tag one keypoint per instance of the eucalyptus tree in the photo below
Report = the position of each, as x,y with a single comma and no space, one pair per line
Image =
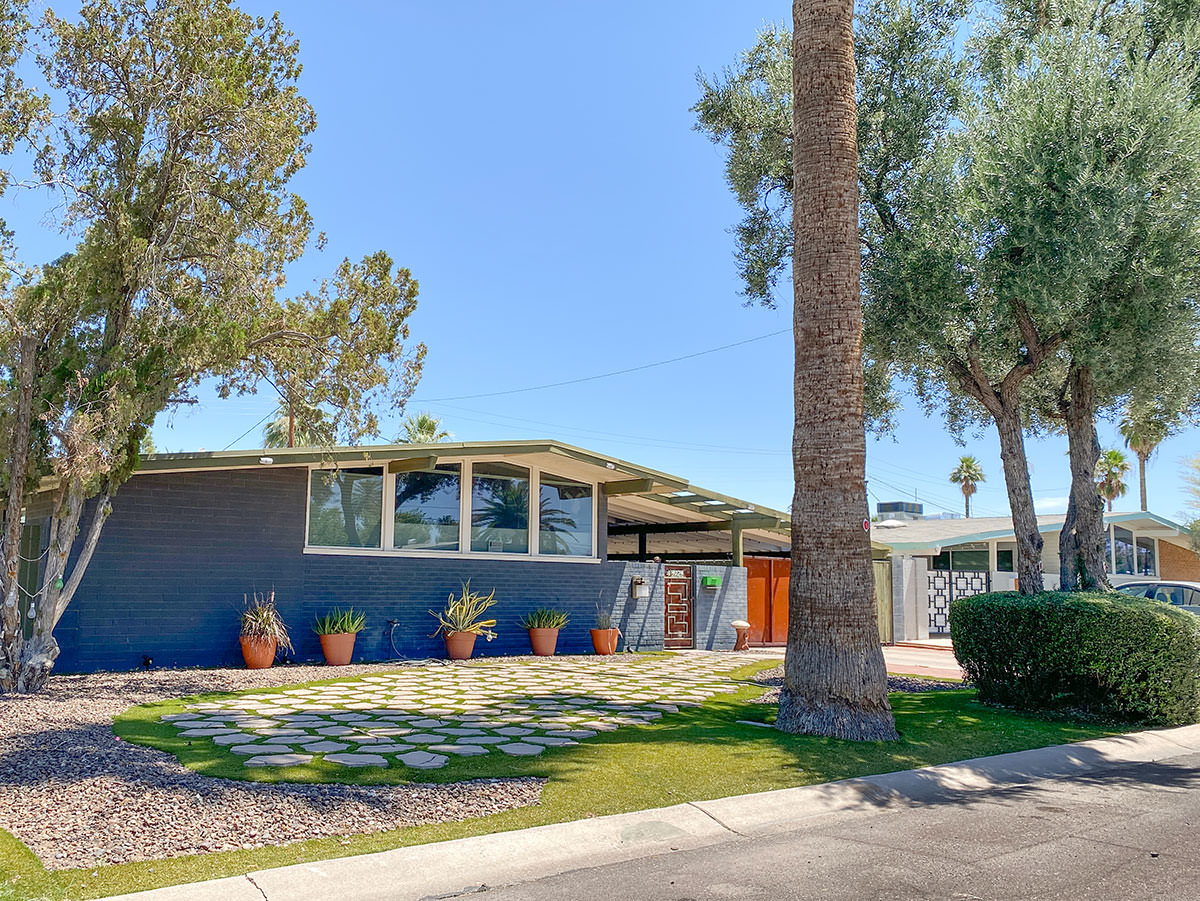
177,128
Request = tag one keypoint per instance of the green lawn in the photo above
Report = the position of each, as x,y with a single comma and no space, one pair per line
698,753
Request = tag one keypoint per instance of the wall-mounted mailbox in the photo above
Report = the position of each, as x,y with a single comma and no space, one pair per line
639,588
710,583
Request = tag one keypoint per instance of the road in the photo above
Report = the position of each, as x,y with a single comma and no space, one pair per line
1129,832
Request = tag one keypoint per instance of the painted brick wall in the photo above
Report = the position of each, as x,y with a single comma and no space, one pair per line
180,551
1178,563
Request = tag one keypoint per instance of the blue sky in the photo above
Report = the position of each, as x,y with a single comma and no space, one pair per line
534,165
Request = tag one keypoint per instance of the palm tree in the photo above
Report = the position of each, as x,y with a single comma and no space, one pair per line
967,474
834,678
422,428
1143,432
1110,475
293,426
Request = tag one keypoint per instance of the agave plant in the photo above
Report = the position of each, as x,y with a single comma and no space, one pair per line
261,621
465,613
340,622
544,618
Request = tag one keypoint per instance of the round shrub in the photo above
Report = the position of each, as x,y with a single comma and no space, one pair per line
1105,652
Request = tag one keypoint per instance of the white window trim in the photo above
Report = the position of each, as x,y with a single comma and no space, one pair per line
466,476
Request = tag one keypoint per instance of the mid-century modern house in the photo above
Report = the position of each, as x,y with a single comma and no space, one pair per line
937,560
394,530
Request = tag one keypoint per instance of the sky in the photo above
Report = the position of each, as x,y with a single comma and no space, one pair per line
535,166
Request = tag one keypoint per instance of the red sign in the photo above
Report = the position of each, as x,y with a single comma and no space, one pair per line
866,525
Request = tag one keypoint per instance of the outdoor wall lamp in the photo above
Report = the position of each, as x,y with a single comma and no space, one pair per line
638,588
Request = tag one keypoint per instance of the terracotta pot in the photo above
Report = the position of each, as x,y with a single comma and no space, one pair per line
338,648
544,641
604,641
258,654
459,645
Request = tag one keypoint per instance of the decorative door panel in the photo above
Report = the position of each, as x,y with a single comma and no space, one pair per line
677,625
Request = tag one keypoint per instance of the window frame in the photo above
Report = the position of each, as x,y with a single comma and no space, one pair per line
466,475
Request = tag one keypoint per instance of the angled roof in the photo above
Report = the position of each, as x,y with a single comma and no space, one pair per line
929,536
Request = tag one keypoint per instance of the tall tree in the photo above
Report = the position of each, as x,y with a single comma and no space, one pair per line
1144,430
1111,469
1191,477
834,678
179,129
290,426
422,428
967,475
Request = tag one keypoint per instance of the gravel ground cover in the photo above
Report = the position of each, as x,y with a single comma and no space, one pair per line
774,678
77,796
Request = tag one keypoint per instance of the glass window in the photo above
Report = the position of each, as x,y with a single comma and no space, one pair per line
499,508
1123,543
941,562
1005,562
970,561
565,517
345,507
427,508
1145,556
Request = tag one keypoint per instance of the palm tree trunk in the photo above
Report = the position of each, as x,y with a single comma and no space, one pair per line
1143,459
967,501
834,678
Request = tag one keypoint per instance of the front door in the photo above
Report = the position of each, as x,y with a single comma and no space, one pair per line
677,626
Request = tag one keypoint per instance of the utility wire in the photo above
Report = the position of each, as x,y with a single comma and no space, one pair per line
248,431
605,375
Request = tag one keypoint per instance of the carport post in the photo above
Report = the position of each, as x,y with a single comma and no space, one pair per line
736,532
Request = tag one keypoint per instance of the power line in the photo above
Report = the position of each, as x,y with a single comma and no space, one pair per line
605,375
248,431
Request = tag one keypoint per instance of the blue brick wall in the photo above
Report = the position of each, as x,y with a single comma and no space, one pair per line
180,551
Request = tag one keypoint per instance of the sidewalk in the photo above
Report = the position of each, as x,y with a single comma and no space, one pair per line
936,661
450,868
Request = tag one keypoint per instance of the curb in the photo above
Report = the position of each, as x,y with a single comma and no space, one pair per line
466,865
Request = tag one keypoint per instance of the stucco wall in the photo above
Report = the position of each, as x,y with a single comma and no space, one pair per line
1175,562
180,551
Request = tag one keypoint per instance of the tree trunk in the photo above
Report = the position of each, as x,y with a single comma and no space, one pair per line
1081,542
967,499
1020,499
1143,459
12,629
835,683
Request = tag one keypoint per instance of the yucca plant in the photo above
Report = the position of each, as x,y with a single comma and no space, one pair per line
465,614
261,621
544,618
340,622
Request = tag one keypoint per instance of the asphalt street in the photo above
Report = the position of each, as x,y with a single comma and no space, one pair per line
1128,832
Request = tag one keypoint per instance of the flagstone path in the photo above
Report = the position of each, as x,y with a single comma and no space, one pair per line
423,716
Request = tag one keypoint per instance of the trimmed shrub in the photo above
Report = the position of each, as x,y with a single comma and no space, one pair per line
1106,652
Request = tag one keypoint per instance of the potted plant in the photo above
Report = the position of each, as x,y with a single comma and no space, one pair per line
543,625
462,621
263,631
604,633
337,630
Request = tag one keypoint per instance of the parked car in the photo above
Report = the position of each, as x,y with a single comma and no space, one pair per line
1177,594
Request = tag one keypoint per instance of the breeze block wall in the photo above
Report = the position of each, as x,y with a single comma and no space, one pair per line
181,550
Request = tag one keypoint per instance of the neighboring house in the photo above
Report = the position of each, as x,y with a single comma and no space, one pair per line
937,560
392,531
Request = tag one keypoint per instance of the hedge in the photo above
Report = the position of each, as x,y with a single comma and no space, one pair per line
1105,652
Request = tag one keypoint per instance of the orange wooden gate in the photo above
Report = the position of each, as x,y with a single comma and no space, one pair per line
767,598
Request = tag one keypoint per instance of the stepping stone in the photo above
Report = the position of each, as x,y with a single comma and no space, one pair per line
235,738
513,731
386,749
570,733
279,760
521,749
423,760
428,723
461,731
357,759
172,717
464,750
336,730
551,740
325,747
265,748
482,740
208,730
425,738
